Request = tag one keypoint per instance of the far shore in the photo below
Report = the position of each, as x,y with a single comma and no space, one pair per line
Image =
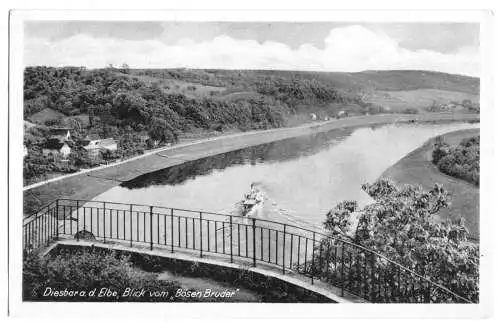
417,168
87,185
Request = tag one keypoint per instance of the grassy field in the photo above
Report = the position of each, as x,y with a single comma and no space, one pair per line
49,114
417,168
420,99
189,89
46,115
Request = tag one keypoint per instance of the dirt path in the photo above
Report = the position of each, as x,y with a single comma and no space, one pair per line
87,185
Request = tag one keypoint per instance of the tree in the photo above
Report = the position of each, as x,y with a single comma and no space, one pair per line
461,161
162,134
401,224
125,68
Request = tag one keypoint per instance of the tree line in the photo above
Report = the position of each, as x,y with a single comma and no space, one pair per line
121,103
461,161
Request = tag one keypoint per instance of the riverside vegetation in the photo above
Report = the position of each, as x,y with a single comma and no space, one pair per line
461,161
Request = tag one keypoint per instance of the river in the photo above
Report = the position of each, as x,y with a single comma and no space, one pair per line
301,178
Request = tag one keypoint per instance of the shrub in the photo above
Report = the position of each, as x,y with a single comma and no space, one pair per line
410,110
461,161
85,270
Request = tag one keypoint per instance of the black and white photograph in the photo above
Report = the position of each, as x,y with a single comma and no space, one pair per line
248,159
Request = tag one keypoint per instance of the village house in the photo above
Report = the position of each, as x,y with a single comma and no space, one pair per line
342,114
56,148
145,138
62,133
96,146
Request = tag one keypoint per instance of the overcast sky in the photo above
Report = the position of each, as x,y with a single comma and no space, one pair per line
447,47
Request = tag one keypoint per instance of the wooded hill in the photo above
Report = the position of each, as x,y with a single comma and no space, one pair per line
146,108
183,99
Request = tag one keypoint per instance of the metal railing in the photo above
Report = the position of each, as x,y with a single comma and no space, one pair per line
343,264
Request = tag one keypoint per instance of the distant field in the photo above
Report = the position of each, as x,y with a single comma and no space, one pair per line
402,80
388,80
189,89
420,98
240,94
50,114
417,168
46,115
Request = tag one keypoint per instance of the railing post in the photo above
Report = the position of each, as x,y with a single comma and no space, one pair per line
151,227
172,229
342,271
372,282
57,218
201,235
104,221
77,219
36,236
254,251
312,259
130,220
284,246
428,293
231,236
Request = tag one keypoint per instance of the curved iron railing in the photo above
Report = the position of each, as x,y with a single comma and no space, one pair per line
350,267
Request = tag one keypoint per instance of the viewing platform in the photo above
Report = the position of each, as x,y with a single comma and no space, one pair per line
331,267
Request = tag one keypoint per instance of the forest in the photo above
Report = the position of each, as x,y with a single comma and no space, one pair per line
126,104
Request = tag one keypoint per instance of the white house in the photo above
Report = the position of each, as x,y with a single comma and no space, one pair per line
25,151
64,134
57,149
313,116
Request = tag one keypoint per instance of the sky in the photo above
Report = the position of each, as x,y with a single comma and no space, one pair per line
314,46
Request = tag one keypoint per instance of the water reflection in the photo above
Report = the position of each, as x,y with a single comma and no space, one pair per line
302,178
288,149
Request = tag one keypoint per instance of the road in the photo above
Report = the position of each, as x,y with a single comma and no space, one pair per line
89,183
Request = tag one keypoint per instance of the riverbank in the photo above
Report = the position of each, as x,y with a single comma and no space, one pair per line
94,182
417,168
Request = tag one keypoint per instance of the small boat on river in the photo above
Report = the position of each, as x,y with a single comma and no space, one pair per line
252,201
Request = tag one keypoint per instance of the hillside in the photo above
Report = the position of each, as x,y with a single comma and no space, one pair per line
394,90
147,108
74,90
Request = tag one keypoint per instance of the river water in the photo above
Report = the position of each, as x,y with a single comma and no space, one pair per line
302,178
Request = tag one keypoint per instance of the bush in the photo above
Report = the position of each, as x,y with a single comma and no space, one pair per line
461,161
85,270
410,110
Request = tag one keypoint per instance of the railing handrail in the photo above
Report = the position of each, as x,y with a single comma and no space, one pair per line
25,219
313,232
195,211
